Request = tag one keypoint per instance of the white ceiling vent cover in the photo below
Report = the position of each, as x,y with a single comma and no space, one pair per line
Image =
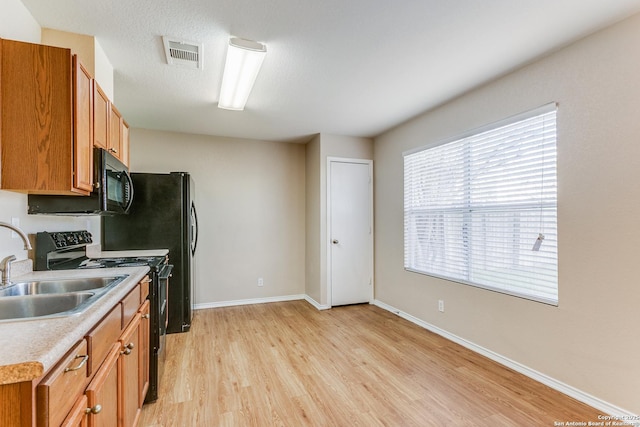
182,52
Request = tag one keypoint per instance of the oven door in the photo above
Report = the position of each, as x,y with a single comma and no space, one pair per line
163,315
159,318
163,288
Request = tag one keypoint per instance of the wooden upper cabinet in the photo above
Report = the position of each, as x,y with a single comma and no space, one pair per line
42,95
124,156
115,132
83,127
101,109
118,136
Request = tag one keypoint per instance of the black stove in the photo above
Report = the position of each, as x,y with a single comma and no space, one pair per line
67,251
151,261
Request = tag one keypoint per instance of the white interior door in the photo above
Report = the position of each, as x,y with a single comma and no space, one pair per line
350,231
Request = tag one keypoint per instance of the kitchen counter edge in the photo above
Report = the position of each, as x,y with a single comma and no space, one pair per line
32,347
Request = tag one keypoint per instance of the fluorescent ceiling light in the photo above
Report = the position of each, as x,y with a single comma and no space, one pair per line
244,59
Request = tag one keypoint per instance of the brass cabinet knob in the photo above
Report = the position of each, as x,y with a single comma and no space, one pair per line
95,410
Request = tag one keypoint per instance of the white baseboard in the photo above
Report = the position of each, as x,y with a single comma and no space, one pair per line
315,303
248,301
599,404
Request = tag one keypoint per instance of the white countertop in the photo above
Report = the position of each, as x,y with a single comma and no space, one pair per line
31,347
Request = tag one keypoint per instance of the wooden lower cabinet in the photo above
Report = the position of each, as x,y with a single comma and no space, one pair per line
128,373
101,382
102,393
145,352
58,391
78,417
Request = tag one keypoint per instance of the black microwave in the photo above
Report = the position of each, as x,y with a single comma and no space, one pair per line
112,193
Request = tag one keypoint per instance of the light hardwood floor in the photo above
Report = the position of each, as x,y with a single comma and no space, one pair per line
288,364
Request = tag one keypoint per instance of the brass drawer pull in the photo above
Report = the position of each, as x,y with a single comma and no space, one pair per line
84,358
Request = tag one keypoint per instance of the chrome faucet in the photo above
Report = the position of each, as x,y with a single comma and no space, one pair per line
5,264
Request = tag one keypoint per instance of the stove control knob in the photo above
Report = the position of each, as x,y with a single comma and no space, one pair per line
58,240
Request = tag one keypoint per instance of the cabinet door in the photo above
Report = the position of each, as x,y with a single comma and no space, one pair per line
36,119
102,392
145,328
101,109
78,417
83,127
128,373
115,133
125,143
59,390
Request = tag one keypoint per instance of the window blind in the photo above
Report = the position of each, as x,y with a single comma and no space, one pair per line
474,207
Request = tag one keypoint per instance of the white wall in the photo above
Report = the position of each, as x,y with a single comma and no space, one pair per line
89,52
250,197
591,341
16,23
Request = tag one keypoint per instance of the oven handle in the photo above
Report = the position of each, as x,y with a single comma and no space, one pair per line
165,272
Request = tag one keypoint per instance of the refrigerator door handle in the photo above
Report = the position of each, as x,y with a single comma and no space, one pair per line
194,236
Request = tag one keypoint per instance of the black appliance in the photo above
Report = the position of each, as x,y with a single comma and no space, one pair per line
163,216
112,193
67,251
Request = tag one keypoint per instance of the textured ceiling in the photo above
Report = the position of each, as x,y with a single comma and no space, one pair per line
347,67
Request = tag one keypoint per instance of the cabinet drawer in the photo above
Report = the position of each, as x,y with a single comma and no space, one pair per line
130,305
144,288
102,337
60,389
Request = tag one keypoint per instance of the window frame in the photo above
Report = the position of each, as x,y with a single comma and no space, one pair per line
519,290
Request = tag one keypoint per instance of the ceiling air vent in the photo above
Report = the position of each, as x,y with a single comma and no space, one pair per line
182,52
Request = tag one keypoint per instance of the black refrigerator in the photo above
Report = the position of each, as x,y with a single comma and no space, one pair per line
162,216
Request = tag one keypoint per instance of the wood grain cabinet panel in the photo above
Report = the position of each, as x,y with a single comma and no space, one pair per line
57,393
83,127
115,132
102,392
124,129
102,337
44,150
101,109
145,330
130,305
128,374
79,415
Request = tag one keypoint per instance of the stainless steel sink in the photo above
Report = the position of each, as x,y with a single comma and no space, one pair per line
52,298
60,286
24,307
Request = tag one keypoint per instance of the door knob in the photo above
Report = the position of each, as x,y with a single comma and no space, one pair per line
335,241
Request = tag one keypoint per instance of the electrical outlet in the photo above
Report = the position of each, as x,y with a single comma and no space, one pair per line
441,306
260,281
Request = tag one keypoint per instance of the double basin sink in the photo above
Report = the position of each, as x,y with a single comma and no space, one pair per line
52,298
